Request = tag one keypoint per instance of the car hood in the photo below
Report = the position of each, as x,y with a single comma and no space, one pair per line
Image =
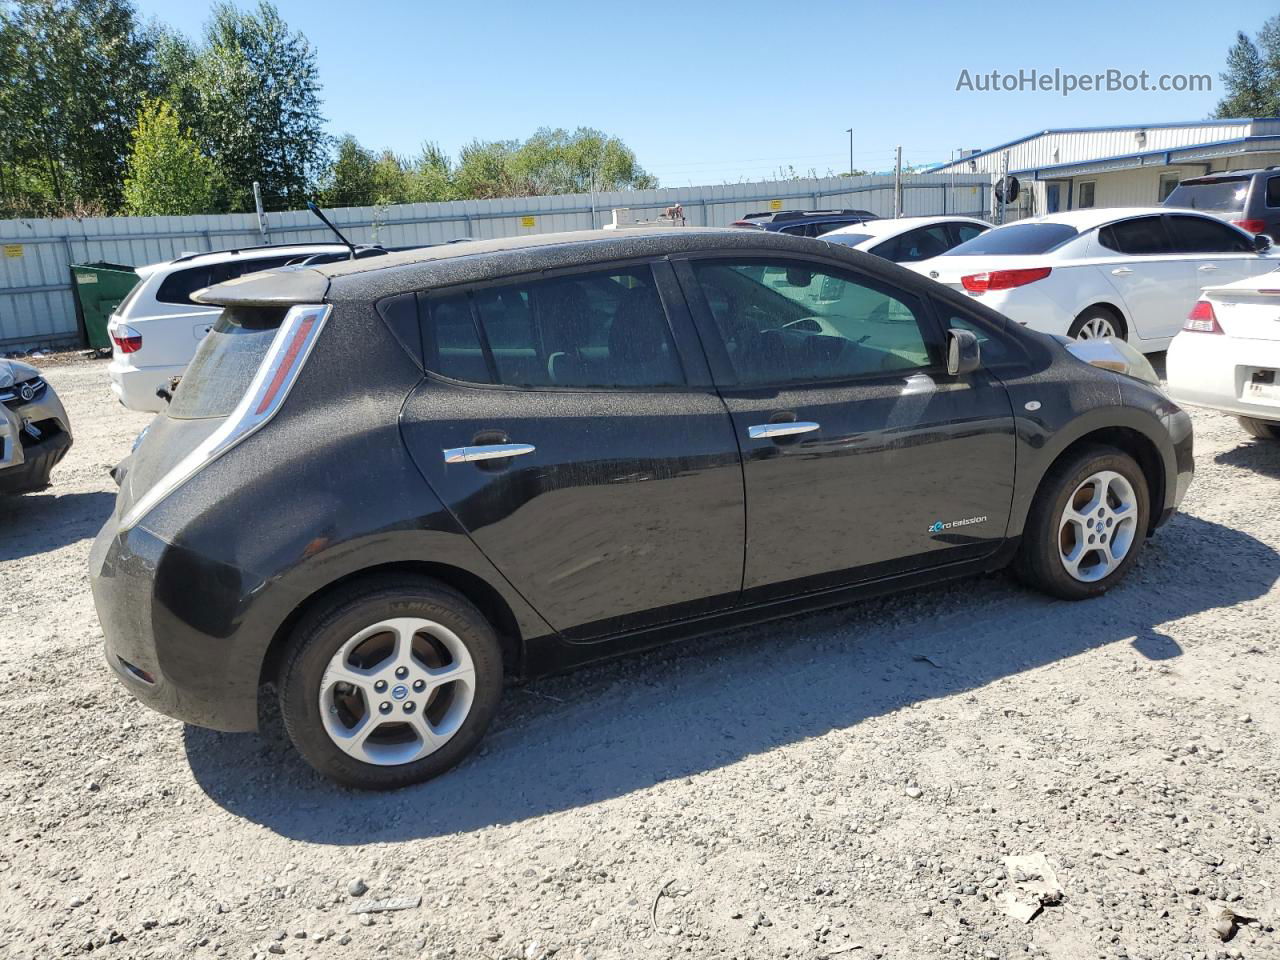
15,371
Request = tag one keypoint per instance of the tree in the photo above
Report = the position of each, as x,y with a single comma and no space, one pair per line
167,173
351,177
257,93
1246,80
556,161
73,74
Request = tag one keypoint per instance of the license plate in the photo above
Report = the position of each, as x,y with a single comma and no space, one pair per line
1262,392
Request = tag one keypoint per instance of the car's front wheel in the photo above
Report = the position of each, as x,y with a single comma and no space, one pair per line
390,682
1086,526
1262,429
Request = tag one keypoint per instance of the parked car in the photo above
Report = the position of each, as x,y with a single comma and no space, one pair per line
908,239
803,223
388,484
157,327
1227,356
1126,273
1249,199
35,431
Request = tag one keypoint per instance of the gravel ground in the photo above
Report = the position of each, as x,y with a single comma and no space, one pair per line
848,784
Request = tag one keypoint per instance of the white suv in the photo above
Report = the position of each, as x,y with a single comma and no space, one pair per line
157,327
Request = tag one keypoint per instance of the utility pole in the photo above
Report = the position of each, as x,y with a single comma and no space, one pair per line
897,185
850,133
1004,183
262,216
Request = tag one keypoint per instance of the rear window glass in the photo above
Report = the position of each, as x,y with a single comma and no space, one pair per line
1225,195
179,286
1015,239
847,239
225,362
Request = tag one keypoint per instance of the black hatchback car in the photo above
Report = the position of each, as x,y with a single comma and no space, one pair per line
383,486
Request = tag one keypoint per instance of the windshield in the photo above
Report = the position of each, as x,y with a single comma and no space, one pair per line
1224,196
225,362
847,239
1017,238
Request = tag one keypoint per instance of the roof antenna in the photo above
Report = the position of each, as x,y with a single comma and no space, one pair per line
314,208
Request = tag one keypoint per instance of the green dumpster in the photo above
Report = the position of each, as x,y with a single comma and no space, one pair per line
99,289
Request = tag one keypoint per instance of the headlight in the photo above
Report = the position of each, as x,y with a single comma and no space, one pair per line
1110,353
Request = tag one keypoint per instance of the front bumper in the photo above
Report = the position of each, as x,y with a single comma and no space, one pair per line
26,460
163,637
1214,371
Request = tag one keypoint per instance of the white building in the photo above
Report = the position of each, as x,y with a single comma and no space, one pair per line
1129,166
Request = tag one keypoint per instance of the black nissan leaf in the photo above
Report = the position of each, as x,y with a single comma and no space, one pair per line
386,486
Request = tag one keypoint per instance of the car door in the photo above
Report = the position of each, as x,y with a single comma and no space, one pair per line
570,425
861,457
1215,252
1156,284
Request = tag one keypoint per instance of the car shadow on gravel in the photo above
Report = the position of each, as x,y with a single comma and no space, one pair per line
39,522
612,730
1260,456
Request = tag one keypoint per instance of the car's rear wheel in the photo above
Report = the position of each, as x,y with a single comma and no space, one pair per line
1262,429
1097,322
390,682
1086,526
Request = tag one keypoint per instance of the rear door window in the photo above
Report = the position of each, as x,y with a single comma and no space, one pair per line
915,245
224,364
1202,235
1139,237
599,329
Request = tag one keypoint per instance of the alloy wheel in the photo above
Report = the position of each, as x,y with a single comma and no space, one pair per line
1098,526
397,691
1097,327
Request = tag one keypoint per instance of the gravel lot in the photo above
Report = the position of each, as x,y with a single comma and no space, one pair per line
848,784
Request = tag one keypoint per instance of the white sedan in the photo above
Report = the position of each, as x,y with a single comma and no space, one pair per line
1131,273
908,239
1227,356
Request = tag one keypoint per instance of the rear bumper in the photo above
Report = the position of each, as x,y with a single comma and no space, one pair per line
192,671
135,387
1208,370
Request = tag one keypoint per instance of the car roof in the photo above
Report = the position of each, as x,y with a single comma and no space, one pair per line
430,268
890,226
1084,220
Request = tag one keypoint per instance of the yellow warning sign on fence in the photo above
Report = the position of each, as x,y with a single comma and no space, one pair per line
13,249
528,221
775,204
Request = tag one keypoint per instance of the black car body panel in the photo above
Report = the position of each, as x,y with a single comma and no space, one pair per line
640,516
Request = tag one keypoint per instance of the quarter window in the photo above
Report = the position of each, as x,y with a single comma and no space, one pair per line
788,321
1273,191
606,329
1202,235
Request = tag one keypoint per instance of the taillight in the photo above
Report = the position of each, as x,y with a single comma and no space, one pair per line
1202,319
128,340
1252,226
1003,279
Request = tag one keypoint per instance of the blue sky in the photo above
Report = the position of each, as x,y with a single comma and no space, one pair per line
706,93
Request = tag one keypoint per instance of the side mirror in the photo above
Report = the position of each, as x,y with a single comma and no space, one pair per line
1261,243
964,353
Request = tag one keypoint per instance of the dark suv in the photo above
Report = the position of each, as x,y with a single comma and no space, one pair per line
804,223
386,485
1250,199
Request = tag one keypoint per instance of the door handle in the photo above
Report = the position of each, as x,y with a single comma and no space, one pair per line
1208,267
1121,272
763,431
490,451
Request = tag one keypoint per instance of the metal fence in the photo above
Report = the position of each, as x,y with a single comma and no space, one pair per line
36,300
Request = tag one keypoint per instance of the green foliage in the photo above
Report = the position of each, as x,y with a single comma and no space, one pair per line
73,74
1252,77
167,174
100,114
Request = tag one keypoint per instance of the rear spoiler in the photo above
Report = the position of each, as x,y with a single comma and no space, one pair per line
267,288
